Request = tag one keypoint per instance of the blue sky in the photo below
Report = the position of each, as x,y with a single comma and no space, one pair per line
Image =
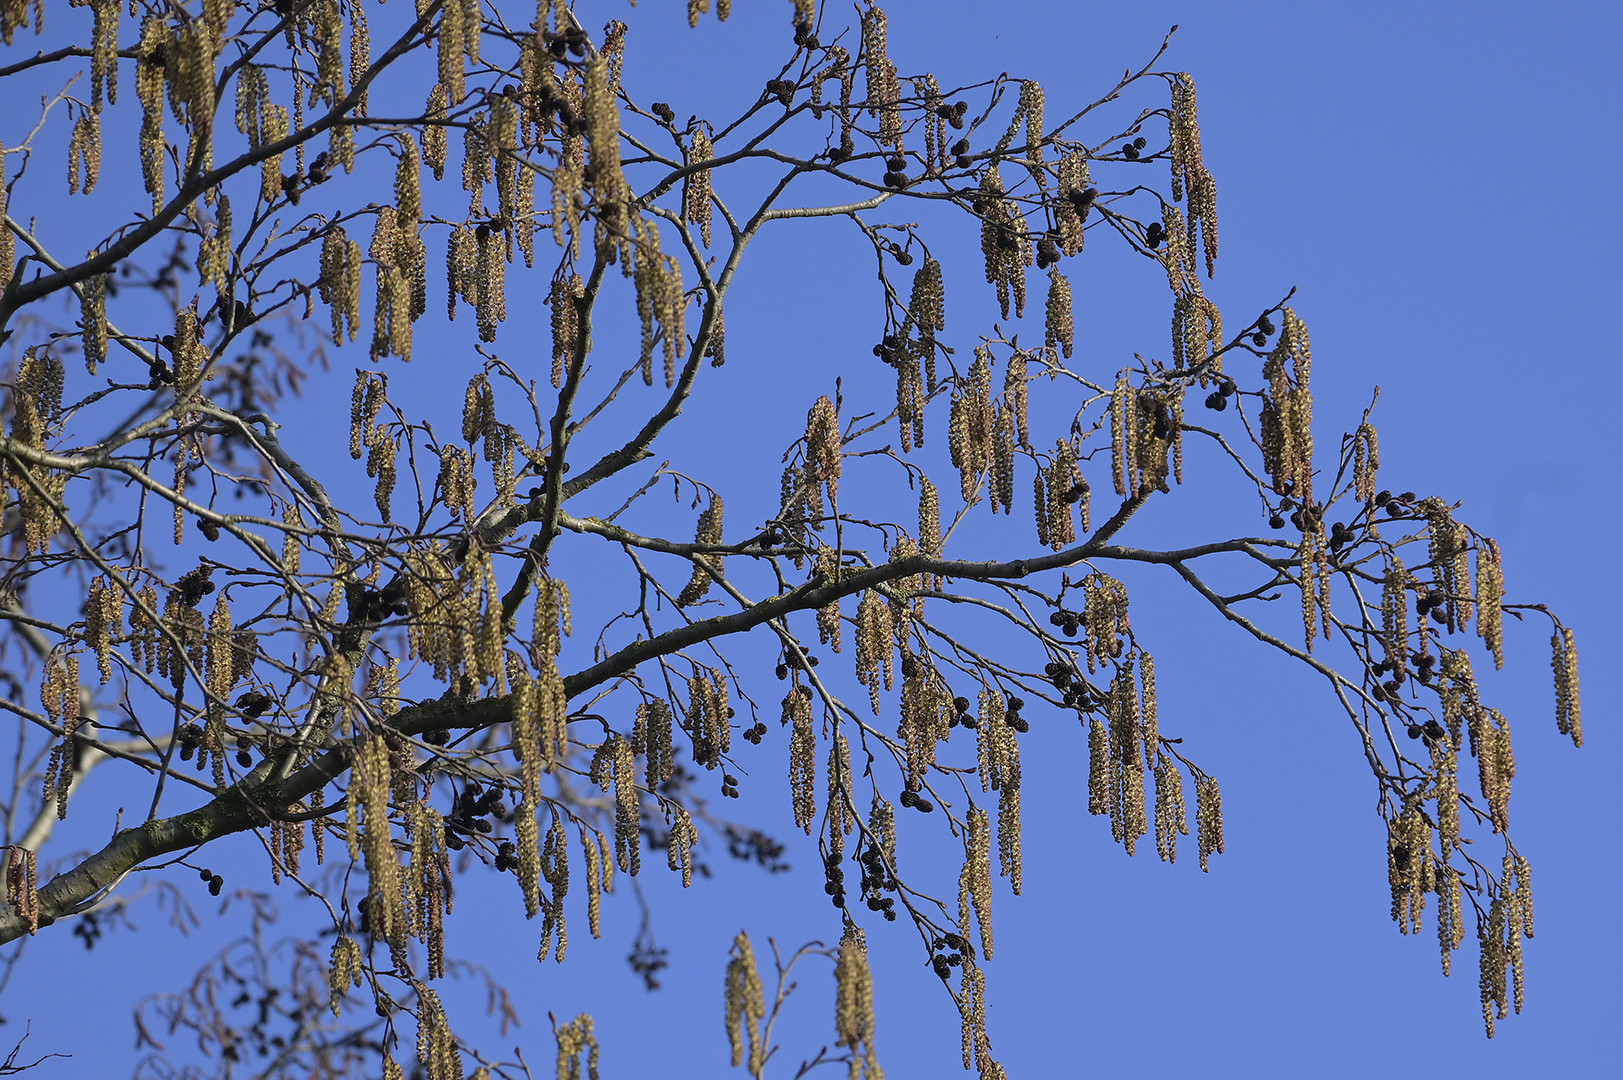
1437,181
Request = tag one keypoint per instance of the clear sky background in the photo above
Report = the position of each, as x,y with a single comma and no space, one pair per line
1437,180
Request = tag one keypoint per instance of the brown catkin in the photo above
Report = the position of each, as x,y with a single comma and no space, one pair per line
22,884
1208,819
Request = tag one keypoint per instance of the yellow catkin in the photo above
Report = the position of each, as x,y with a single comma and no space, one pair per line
854,1005
1128,819
575,1041
1010,852
1564,662
1490,591
93,318
1122,399
150,80
1445,771
1056,523
930,541
435,147
1447,544
797,713
8,242
1171,816
526,734
527,839
339,282
1000,481
975,881
345,969
875,648
1366,462
609,186
1395,617
437,1051
972,1012
1189,173
653,739
1450,915
1004,243
745,1002
273,125
1410,867
214,257
697,194
927,716
565,302
829,623
144,623
823,446
1496,763
841,814
372,777
104,617
360,54
84,152
1058,328
555,869
627,809
594,882
221,661
708,566
1288,417
680,844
